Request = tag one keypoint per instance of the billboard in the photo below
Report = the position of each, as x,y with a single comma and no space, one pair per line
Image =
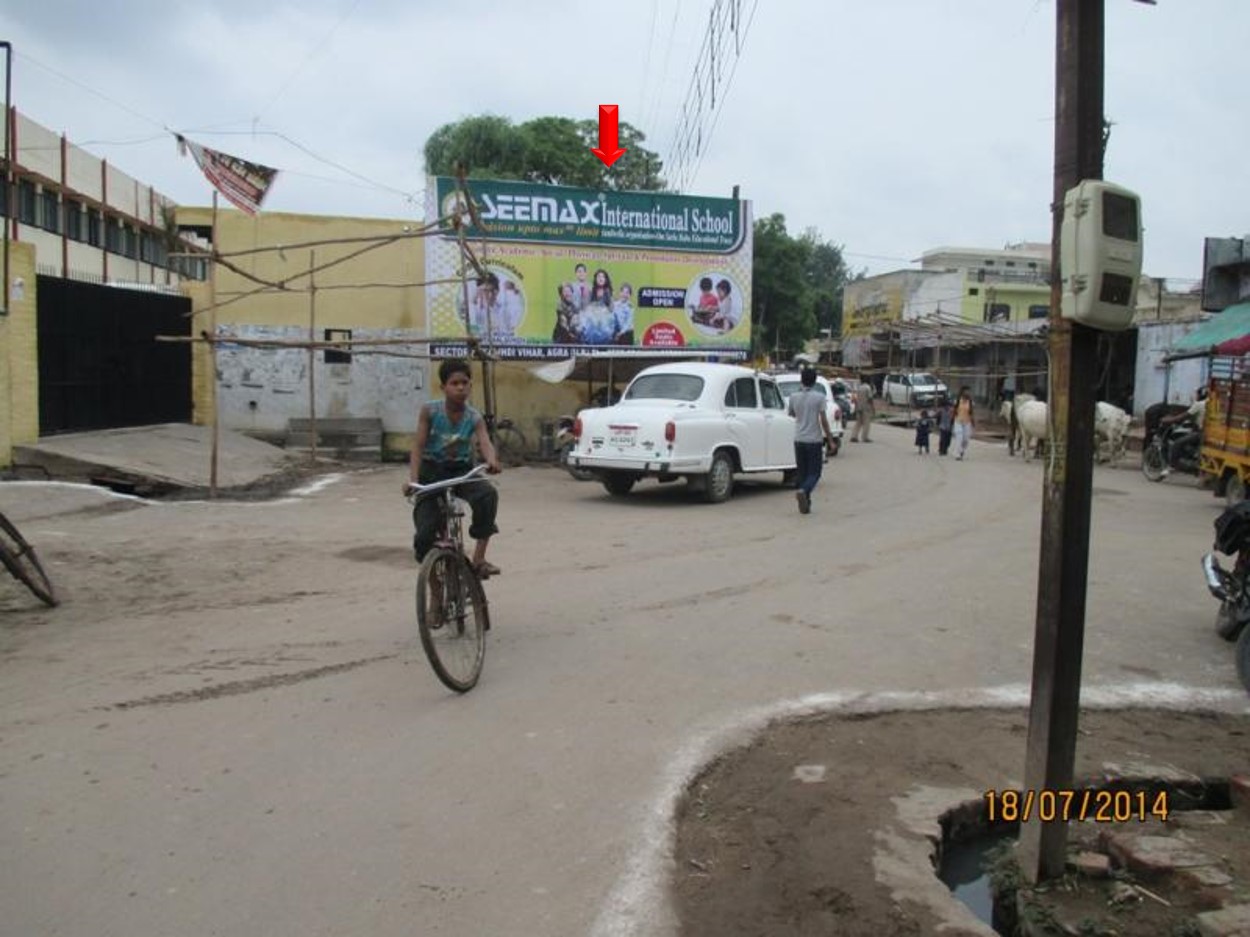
578,270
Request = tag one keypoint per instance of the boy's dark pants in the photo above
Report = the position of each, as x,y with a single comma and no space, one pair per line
482,497
944,441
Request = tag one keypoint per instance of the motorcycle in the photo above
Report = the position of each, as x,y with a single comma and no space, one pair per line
1173,448
565,444
1232,588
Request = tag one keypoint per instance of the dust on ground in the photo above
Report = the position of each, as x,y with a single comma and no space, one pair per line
761,852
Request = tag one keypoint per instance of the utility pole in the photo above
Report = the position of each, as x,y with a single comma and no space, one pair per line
1064,565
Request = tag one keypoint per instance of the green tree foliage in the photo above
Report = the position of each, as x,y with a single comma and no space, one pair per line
554,150
797,287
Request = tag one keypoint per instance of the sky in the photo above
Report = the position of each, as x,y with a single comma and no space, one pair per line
890,127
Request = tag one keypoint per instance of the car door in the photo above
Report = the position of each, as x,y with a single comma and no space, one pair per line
745,421
779,426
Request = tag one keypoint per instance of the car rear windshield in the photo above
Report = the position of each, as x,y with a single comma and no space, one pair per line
789,387
665,387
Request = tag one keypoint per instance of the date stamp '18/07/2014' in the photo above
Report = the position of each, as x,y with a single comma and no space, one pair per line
1011,806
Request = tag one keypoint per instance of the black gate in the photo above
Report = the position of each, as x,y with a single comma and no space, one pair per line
100,366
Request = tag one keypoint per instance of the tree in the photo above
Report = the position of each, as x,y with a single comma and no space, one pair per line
553,150
827,274
781,317
797,287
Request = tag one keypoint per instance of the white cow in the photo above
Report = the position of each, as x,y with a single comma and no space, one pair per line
1008,412
1111,426
1033,418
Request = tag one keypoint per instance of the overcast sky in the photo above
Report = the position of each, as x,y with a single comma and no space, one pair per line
891,126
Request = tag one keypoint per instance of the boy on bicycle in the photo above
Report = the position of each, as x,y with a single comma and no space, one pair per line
442,449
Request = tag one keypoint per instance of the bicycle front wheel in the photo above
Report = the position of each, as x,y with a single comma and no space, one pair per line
19,558
452,618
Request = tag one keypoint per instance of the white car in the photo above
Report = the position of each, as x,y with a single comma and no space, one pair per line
693,420
789,383
914,390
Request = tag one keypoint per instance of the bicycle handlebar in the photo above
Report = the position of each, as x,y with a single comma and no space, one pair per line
417,489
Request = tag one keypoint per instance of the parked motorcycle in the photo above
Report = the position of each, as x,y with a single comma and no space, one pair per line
1172,449
565,443
1232,588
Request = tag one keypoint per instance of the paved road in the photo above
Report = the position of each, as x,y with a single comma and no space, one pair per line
228,728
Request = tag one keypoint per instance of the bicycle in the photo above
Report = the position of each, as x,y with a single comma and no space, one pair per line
19,558
452,614
509,441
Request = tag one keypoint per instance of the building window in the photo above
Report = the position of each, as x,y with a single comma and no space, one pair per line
130,241
4,198
190,268
997,312
1009,263
50,212
335,355
93,227
146,252
26,202
989,263
73,220
974,291
1039,312
113,235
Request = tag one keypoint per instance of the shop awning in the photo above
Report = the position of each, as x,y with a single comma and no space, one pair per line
1223,333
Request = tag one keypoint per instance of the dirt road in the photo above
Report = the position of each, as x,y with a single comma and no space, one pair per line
228,726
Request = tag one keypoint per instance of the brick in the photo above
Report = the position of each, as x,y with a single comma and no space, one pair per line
1204,876
1092,864
1233,921
1154,856
1239,788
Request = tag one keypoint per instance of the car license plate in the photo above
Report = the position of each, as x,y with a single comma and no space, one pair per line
623,437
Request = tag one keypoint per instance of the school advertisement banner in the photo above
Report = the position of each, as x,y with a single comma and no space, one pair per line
574,271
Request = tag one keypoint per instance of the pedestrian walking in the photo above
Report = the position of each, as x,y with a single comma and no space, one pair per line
811,431
924,425
965,420
865,410
945,422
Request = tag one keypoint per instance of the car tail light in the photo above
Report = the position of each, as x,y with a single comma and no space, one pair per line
670,431
577,428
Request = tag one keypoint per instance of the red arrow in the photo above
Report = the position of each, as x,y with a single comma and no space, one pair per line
609,150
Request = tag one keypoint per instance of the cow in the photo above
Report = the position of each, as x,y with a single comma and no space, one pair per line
1033,418
1111,426
1008,413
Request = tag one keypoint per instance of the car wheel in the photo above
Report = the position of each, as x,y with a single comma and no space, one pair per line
720,478
618,483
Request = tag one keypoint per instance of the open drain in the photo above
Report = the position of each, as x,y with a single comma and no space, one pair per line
1117,870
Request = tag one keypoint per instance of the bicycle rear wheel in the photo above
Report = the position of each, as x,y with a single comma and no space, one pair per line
509,444
19,558
452,618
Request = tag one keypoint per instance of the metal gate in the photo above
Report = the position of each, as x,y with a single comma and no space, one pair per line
100,366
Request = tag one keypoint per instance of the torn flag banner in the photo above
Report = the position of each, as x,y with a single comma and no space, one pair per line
243,184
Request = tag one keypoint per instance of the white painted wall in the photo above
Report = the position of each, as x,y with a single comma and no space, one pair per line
261,389
1154,342
38,148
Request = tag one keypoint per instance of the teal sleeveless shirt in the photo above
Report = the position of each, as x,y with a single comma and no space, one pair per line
450,442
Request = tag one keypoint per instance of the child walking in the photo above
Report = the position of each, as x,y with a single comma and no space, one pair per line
923,427
945,422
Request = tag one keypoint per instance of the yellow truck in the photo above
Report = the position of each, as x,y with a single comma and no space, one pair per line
1224,461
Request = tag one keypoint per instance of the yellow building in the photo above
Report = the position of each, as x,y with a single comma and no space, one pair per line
289,278
19,355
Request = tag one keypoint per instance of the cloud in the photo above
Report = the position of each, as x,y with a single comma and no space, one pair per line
890,127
